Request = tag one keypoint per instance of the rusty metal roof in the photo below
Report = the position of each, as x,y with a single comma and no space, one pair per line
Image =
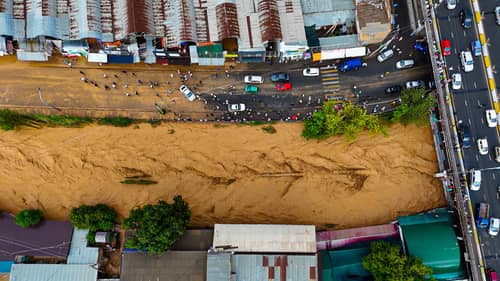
269,20
227,21
140,16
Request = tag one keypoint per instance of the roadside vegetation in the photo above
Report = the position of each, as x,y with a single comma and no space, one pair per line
414,108
11,120
156,227
94,218
348,121
28,218
386,263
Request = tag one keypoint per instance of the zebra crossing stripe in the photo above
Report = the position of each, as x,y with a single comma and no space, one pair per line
331,82
330,78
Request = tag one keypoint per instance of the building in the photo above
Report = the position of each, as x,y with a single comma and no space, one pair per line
253,252
47,239
373,20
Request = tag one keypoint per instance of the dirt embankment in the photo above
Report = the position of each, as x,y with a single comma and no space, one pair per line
228,174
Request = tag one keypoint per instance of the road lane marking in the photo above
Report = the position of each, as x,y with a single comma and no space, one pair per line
470,122
465,34
477,158
475,85
451,33
331,82
330,75
330,78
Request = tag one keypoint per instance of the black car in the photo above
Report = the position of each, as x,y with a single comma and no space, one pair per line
280,77
392,90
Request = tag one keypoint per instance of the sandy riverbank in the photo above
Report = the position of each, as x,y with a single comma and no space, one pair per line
229,174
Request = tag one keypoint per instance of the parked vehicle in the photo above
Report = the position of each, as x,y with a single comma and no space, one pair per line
494,226
311,71
456,81
254,79
476,48
483,215
283,86
482,146
467,61
392,90
280,76
451,4
236,107
402,64
497,154
350,64
492,275
421,47
466,18
385,55
491,118
446,47
497,14
415,84
187,93
251,89
475,181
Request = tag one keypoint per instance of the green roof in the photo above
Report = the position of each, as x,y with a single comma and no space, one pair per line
339,265
210,51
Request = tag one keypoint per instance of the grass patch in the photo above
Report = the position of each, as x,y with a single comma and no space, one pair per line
115,121
269,129
63,120
138,181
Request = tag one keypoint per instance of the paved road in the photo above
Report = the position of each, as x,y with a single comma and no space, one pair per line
470,104
492,31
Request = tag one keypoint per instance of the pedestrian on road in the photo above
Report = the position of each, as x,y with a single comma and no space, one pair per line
82,73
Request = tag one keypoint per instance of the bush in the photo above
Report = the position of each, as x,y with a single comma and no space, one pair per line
115,121
98,217
157,227
138,181
269,129
62,120
29,218
10,120
415,107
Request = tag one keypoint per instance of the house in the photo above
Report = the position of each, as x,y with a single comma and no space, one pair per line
373,20
253,252
47,239
53,272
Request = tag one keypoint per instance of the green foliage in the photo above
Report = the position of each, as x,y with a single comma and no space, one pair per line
158,226
138,181
98,217
115,121
349,121
62,120
10,120
415,107
386,263
269,129
28,218
91,237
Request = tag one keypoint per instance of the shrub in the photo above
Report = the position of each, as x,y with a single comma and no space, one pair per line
98,217
115,121
29,218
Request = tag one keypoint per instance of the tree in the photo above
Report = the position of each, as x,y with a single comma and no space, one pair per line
157,227
386,263
348,121
98,217
29,218
415,107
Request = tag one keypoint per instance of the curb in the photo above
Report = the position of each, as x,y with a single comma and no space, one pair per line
486,55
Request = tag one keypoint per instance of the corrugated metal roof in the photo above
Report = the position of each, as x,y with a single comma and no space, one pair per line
140,16
342,41
52,272
320,6
292,22
179,22
6,24
79,253
227,21
266,238
269,20
49,238
218,266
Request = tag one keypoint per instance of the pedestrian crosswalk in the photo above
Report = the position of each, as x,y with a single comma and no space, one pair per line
329,79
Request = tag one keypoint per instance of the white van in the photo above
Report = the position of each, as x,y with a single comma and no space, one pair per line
494,226
475,182
254,79
187,93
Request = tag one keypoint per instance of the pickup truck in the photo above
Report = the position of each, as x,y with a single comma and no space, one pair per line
483,215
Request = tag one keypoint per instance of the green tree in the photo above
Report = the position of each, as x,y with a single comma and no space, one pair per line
29,218
157,227
349,121
10,120
415,107
386,263
98,217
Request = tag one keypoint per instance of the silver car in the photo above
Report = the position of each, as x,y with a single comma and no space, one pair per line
497,14
405,64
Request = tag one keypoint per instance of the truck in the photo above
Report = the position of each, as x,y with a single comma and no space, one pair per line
483,215
350,64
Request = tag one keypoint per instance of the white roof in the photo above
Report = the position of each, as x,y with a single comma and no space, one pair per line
270,238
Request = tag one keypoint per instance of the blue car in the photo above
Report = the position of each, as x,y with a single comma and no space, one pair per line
421,47
476,48
350,64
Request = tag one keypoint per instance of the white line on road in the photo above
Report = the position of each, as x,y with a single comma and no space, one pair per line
493,176
465,34
470,122
330,75
331,82
475,85
465,102
477,158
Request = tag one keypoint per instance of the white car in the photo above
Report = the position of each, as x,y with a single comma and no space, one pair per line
254,79
467,61
497,14
494,226
456,79
475,182
405,64
451,4
491,118
187,93
385,55
415,84
497,154
234,107
311,71
482,146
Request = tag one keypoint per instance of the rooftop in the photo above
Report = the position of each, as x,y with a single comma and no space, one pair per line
371,11
79,253
53,272
275,238
49,238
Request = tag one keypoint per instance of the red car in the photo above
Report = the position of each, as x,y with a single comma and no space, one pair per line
446,47
284,86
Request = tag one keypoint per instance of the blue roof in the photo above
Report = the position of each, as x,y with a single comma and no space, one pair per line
218,266
6,24
5,266
79,253
53,272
